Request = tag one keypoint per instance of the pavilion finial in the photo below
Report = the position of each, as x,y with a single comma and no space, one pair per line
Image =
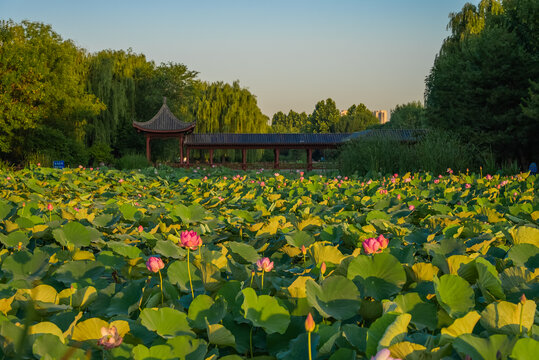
164,100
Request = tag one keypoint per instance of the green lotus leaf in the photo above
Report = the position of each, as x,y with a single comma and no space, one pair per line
49,346
483,349
454,295
157,352
244,214
127,300
525,255
243,253
336,297
220,335
167,322
386,331
508,318
356,336
488,280
5,209
123,249
203,309
13,239
379,276
185,347
177,274
83,272
192,214
104,220
76,234
518,280
168,249
24,265
423,314
265,311
343,354
460,326
130,212
377,214
328,335
297,348
299,238
525,349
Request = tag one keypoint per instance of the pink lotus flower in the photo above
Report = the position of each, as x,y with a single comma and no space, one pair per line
449,171
436,181
121,181
488,177
382,241
383,354
190,239
140,228
264,265
468,186
49,206
309,323
371,246
411,207
154,264
262,183
110,339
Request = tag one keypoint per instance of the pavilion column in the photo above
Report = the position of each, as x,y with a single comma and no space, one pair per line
187,151
276,159
211,156
181,149
309,159
148,149
244,159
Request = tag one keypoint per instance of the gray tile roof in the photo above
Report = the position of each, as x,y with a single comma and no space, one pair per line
164,121
264,139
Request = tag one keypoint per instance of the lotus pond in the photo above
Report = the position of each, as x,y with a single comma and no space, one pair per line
456,278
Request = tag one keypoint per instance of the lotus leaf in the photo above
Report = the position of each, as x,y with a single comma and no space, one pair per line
379,276
166,322
336,297
265,311
454,295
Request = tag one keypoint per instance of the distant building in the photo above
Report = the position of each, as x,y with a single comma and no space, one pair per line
381,115
344,112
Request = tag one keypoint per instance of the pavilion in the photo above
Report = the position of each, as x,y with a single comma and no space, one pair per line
165,125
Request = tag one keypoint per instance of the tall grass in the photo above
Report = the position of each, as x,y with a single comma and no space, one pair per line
435,152
132,161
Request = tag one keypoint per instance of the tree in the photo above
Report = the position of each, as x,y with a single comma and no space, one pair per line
323,118
479,81
291,123
357,118
41,85
407,116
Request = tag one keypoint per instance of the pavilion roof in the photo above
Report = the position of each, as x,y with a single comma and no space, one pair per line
164,122
264,140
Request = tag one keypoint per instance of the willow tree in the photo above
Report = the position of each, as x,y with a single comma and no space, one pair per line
225,108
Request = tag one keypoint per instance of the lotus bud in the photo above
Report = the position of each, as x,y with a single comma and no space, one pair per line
154,264
323,268
309,323
303,249
49,207
140,228
523,299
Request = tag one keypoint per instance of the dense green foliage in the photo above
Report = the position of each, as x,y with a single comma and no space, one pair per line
407,116
462,251
483,82
436,151
59,102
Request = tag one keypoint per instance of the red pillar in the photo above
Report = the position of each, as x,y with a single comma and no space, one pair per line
276,161
181,149
187,156
309,159
148,149
211,156
244,159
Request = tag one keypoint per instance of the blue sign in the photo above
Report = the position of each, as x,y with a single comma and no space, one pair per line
58,164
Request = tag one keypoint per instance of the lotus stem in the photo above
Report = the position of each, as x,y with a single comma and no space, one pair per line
161,286
189,273
309,344
262,285
251,341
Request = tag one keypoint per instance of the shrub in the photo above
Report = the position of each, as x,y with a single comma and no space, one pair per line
435,152
132,161
100,153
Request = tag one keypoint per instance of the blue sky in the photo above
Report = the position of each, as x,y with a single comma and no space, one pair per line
290,54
